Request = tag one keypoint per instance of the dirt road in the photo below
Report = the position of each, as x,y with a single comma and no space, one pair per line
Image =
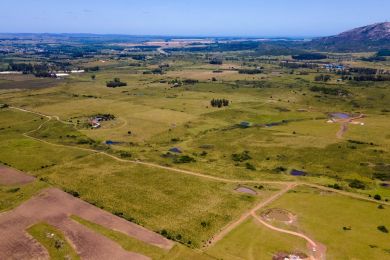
343,129
316,250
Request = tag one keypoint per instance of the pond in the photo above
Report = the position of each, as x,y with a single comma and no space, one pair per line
297,173
246,190
340,115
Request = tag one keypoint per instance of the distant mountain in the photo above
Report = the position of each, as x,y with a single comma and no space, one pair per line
367,38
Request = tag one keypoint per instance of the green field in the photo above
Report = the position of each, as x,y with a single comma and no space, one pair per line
323,216
251,240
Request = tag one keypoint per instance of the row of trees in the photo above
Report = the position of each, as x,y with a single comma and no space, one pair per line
250,71
367,78
219,102
330,91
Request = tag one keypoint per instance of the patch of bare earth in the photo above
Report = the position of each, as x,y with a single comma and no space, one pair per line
9,176
55,207
288,256
280,215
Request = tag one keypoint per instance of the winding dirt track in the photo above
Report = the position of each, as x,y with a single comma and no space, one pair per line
316,250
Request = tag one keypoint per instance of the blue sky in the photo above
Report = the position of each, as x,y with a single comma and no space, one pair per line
195,17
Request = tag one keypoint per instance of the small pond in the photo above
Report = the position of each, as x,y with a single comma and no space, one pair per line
297,173
340,115
246,190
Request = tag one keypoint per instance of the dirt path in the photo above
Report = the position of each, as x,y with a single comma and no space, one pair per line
237,222
343,129
317,250
55,207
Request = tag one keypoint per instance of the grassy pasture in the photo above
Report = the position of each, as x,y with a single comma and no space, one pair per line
322,216
190,209
252,240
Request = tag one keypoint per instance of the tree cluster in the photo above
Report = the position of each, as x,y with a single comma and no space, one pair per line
216,61
309,56
115,83
219,102
330,91
322,77
250,71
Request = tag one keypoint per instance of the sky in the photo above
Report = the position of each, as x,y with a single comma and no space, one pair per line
257,18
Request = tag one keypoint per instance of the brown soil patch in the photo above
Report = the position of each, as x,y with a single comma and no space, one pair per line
54,207
9,176
281,215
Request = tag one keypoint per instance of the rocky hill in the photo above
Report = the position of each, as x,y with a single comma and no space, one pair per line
366,38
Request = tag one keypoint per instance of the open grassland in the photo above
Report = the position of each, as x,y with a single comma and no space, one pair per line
287,130
336,220
252,240
185,208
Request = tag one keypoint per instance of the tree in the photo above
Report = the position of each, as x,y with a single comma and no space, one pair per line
93,77
377,197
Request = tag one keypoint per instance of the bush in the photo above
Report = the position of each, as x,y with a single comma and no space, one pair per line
184,159
335,186
190,81
383,229
250,167
241,157
377,197
125,154
280,169
73,193
356,184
